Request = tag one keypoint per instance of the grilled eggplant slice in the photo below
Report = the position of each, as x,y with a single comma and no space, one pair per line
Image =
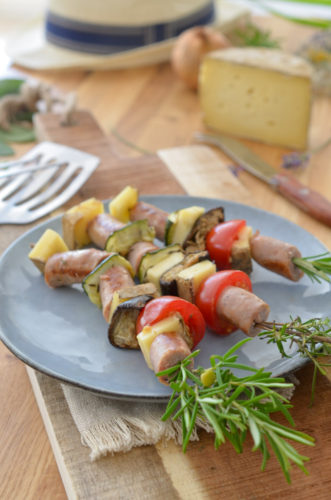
122,329
196,240
121,241
168,281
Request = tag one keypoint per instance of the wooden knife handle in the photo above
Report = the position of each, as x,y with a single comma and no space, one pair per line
300,195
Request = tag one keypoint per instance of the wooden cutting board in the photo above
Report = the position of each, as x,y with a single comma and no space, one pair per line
154,472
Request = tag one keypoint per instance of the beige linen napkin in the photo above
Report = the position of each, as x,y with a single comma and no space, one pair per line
109,426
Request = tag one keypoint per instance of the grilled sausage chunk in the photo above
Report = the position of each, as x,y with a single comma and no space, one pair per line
137,251
101,227
116,278
242,308
167,350
156,217
276,255
71,267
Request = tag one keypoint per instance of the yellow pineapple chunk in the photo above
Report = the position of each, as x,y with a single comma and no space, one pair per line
48,244
121,205
189,279
75,222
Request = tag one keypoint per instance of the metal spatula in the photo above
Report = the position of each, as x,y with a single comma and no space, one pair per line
41,181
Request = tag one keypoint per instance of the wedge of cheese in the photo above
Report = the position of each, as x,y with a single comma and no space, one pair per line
257,93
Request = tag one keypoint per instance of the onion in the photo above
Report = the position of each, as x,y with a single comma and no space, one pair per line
190,48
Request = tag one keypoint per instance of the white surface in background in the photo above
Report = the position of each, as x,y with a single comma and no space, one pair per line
288,8
21,10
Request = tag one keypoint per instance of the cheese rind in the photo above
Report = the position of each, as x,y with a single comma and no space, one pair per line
259,94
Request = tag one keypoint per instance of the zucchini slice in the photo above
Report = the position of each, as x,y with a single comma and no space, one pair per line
122,329
196,240
152,258
92,280
121,241
168,281
180,224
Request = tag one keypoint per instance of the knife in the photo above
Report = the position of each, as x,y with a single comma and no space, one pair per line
300,195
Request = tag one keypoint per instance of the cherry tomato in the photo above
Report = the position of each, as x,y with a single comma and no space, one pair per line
209,292
162,307
220,239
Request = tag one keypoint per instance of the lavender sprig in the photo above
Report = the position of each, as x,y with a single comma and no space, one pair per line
295,160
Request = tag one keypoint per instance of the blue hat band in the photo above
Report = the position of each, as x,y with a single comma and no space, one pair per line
108,39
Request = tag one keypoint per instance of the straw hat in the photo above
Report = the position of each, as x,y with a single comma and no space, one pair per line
104,34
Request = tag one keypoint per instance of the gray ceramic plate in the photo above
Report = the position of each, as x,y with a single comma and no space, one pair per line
62,334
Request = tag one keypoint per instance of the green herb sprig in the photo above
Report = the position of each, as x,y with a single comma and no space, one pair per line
235,406
316,267
251,35
18,131
312,338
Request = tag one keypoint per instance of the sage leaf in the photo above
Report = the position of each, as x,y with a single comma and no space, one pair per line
17,133
10,86
5,150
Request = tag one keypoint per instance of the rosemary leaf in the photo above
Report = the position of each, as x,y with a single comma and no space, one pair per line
316,267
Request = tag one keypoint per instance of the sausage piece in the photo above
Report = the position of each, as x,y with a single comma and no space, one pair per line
156,217
242,308
101,227
113,279
276,256
167,350
137,251
71,267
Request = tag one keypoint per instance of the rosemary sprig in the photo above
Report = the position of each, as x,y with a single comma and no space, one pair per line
235,406
312,337
251,35
316,267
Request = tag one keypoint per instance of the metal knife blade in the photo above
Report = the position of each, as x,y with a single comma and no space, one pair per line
300,195
242,155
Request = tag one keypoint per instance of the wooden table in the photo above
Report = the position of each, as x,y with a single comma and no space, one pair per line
150,108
